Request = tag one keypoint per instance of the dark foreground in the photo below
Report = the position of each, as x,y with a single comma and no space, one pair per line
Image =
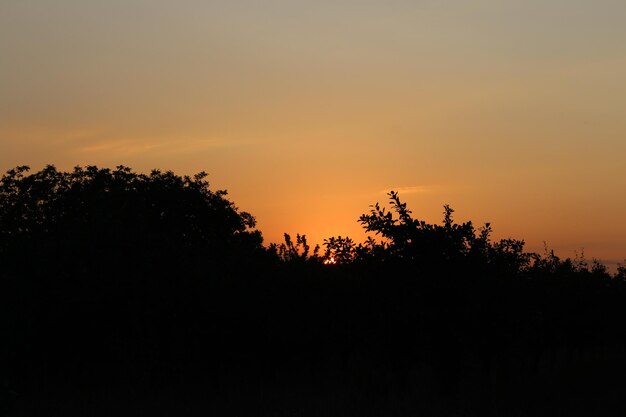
129,295
310,346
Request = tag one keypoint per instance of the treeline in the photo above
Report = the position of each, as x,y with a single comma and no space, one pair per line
150,294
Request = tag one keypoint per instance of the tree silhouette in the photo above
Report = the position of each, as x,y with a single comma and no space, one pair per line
73,222
424,245
122,291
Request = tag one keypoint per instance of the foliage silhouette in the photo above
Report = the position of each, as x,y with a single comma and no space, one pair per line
65,219
123,293
429,246
300,251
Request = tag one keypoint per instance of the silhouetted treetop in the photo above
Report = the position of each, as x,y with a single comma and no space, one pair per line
407,239
117,214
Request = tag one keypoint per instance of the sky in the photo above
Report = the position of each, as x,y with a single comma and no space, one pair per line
307,112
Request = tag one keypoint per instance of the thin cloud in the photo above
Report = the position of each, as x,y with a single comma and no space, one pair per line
121,147
413,189
130,147
196,145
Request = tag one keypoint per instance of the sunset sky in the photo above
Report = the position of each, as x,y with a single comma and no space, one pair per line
512,112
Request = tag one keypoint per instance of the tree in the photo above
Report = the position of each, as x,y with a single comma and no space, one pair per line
92,219
420,243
